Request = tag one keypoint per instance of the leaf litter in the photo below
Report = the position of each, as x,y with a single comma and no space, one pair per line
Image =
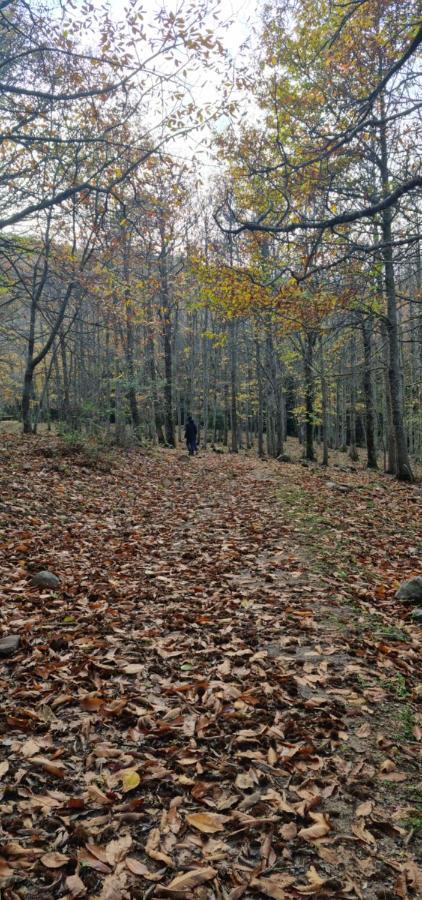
214,703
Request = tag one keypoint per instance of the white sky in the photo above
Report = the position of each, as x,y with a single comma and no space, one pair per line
243,15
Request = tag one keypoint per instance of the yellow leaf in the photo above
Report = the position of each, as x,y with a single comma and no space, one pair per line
130,780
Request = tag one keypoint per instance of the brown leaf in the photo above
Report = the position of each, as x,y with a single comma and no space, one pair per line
99,796
29,748
5,870
190,880
208,823
400,887
315,882
364,730
117,850
387,766
330,856
97,851
314,832
394,777
88,860
273,886
52,767
13,848
365,809
362,833
76,886
113,888
152,845
139,868
92,702
272,757
288,831
54,860
414,875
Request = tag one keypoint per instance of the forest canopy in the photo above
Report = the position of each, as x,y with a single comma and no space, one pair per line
235,235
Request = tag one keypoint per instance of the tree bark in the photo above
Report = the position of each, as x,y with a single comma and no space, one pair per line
233,387
368,390
324,395
403,468
309,395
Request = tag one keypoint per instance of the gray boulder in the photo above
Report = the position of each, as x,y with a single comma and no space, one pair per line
410,591
45,580
9,644
416,615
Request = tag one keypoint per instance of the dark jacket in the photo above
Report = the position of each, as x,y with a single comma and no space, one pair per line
190,430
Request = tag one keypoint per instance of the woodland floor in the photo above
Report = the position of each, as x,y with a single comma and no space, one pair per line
221,701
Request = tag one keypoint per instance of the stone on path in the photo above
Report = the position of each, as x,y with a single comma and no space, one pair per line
45,580
337,486
9,644
416,615
410,591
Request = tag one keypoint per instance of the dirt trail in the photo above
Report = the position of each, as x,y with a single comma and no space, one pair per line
206,694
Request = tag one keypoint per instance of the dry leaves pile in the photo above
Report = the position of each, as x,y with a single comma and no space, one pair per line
198,712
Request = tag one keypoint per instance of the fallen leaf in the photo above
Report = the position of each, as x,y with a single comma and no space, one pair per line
208,823
365,809
76,886
288,831
319,830
362,833
113,888
139,868
5,869
152,848
130,780
29,748
54,860
190,880
54,768
117,849
274,886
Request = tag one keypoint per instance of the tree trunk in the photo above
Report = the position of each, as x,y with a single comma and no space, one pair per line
353,453
403,468
324,397
309,396
233,387
168,357
260,422
368,391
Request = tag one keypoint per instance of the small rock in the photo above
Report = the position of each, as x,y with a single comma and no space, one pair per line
416,615
410,591
284,457
59,644
9,644
45,580
336,486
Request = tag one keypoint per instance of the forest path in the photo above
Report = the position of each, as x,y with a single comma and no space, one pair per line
220,687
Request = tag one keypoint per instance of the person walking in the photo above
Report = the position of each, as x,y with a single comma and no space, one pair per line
191,432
